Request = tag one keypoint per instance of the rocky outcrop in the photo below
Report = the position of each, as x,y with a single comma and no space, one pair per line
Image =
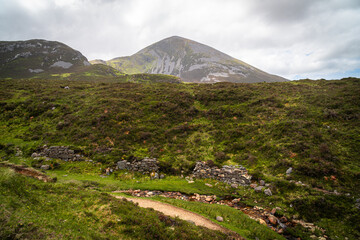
228,174
145,165
59,152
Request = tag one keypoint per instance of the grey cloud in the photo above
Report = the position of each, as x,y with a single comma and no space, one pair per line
282,11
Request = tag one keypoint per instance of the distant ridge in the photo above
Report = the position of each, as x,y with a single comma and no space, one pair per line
191,61
27,58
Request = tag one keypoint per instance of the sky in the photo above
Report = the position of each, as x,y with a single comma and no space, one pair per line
292,38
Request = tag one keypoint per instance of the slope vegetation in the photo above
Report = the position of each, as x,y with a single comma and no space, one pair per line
311,126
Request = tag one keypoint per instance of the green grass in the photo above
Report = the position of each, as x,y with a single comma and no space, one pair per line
127,180
34,210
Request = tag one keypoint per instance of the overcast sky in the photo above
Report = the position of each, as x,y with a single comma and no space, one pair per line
292,38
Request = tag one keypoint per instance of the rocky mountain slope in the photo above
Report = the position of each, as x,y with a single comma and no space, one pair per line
27,58
191,61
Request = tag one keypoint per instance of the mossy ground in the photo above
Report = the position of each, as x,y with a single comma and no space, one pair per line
312,126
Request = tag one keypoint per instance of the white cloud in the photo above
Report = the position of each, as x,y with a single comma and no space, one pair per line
298,38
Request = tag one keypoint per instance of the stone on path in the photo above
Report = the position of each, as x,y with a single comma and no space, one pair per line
273,220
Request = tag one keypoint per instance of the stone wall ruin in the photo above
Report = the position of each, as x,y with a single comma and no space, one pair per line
145,165
58,152
229,174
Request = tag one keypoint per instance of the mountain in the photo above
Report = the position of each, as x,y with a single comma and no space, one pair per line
191,61
27,58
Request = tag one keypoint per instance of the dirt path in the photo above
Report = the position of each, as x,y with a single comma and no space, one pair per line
27,171
173,211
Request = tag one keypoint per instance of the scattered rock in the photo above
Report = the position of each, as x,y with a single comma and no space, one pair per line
262,221
190,181
234,185
18,153
208,199
162,176
45,167
262,183
253,185
258,189
208,184
289,171
272,219
268,192
273,211
219,219
283,219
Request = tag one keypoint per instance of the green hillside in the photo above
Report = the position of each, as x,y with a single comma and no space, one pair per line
311,126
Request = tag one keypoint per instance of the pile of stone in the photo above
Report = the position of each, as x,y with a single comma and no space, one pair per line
234,175
58,152
262,187
146,165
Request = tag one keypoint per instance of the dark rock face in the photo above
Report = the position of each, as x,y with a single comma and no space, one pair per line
228,174
145,165
59,152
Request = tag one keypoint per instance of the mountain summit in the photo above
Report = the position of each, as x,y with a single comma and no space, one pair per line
191,61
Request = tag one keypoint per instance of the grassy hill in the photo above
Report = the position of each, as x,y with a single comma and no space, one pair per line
311,126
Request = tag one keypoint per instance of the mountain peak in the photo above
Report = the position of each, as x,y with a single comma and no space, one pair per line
191,61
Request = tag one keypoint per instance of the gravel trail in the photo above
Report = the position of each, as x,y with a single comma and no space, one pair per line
173,211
